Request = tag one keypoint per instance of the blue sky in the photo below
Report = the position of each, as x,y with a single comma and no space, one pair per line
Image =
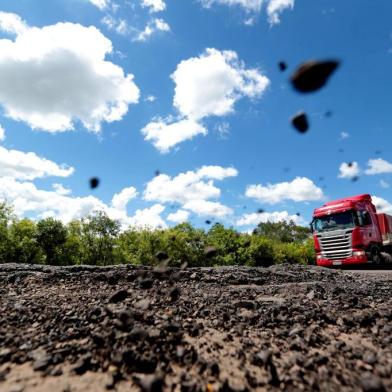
120,89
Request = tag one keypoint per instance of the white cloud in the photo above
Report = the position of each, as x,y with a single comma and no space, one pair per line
248,5
344,135
382,205
27,198
154,5
56,75
349,170
2,134
276,216
28,166
61,190
273,7
120,200
384,184
188,186
179,216
152,27
119,25
276,7
378,166
165,134
208,85
300,189
149,218
208,208
223,130
12,23
150,98
101,4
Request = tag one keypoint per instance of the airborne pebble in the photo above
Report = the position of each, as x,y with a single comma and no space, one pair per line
313,75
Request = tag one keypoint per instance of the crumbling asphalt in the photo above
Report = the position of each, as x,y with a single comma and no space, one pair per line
125,328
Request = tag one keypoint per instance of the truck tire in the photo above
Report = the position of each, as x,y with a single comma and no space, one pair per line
375,255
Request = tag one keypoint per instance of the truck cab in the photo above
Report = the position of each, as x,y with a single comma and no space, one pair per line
346,231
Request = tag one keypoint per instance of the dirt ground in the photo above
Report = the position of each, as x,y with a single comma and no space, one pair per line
124,328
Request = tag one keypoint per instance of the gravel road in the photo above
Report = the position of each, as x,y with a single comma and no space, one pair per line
198,329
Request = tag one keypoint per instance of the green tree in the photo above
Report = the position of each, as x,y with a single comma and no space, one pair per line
23,245
229,243
51,237
282,231
99,234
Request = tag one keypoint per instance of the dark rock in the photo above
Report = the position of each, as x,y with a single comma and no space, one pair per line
300,122
119,296
313,75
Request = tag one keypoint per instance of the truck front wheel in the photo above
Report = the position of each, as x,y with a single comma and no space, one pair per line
375,255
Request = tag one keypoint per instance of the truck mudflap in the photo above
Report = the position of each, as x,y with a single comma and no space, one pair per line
346,261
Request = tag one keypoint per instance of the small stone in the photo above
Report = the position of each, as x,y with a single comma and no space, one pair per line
118,296
300,122
371,383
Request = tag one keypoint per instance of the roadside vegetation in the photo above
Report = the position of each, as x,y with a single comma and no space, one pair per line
99,240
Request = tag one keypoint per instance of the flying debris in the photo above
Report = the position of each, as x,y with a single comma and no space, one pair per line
94,182
313,75
207,222
300,122
282,66
260,211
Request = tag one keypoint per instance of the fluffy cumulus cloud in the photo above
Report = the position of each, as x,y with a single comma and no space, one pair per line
179,216
382,205
149,217
208,85
378,166
26,198
52,76
208,208
255,218
165,135
121,199
12,23
60,189
154,5
29,166
192,189
300,189
349,170
273,7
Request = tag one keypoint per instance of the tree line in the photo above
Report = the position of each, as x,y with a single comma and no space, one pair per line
99,240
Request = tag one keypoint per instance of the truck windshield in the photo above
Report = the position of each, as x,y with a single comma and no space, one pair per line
342,220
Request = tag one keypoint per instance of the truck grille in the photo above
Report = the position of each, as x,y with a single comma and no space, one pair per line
336,246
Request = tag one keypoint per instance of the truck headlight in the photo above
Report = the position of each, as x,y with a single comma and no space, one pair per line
319,257
358,253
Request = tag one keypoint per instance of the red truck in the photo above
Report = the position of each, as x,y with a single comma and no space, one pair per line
350,231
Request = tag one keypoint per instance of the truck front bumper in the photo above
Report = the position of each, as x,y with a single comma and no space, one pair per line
347,261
